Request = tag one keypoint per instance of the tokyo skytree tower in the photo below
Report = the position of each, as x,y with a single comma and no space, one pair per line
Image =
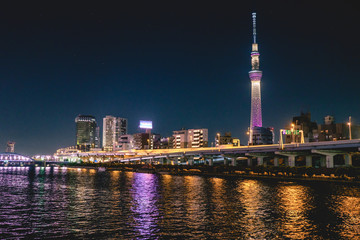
255,76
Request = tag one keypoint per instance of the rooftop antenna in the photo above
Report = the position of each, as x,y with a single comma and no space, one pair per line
254,26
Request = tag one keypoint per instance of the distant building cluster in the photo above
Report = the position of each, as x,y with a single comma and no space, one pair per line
115,136
329,130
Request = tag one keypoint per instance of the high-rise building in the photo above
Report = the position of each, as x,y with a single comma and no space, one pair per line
257,134
10,147
113,128
86,134
192,138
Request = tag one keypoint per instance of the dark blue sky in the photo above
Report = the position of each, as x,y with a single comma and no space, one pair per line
178,64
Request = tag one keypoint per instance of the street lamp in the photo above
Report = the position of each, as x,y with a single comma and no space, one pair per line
349,123
249,133
281,144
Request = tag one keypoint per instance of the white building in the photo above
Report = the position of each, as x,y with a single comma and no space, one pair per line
191,138
126,142
69,154
113,128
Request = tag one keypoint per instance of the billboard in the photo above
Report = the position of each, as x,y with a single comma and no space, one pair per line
145,124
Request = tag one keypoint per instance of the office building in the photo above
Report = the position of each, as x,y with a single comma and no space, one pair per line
113,128
191,138
86,132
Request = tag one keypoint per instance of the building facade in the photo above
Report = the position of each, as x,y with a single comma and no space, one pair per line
304,123
262,136
10,147
331,131
86,132
141,141
223,139
167,142
126,142
113,128
191,138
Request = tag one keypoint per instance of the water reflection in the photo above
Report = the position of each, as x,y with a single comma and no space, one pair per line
295,203
254,198
144,207
346,204
84,203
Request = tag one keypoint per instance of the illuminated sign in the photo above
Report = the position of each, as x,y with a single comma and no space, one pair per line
289,132
145,124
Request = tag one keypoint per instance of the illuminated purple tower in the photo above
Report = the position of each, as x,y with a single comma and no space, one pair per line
255,77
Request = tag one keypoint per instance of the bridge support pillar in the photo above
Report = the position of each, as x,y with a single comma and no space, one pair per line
211,161
329,156
233,162
308,160
291,157
330,161
259,157
225,160
291,160
260,161
276,161
249,161
190,161
348,159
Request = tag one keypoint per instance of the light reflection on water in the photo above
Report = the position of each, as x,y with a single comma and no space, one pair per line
295,202
346,205
84,203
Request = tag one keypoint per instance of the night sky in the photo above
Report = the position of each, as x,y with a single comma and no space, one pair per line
177,63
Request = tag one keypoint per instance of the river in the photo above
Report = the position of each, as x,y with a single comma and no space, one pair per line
67,203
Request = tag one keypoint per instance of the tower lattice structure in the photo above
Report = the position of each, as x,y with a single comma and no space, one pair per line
255,76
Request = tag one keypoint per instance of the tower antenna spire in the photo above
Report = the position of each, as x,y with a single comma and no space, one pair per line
254,25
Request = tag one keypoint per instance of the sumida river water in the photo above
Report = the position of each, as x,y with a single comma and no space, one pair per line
84,203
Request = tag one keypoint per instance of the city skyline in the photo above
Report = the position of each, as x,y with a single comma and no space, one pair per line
184,72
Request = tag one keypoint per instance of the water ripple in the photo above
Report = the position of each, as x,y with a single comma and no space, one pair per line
83,203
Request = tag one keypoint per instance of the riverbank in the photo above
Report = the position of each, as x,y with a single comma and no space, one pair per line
345,175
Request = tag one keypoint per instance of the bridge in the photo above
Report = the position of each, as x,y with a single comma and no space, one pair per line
14,158
328,154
